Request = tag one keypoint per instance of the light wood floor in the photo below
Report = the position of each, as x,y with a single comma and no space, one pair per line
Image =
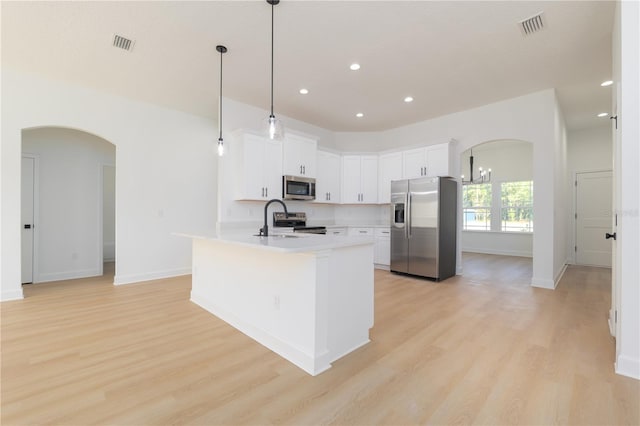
485,348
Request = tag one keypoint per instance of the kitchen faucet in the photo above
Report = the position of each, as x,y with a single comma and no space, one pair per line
264,231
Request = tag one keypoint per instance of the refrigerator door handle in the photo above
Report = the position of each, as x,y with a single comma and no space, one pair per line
407,215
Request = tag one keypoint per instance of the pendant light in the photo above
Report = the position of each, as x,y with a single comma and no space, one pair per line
274,127
222,50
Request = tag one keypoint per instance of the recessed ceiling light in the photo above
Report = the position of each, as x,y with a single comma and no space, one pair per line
606,83
603,114
304,91
359,115
354,67
408,99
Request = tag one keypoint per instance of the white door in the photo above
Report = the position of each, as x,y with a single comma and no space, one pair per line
593,218
28,173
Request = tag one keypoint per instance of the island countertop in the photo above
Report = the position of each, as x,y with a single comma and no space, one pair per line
282,242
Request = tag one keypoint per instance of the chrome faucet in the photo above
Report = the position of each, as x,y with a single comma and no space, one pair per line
264,231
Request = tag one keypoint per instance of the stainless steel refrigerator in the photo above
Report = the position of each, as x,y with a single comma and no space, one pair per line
423,227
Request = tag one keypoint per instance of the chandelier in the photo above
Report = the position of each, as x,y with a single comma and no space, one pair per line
485,175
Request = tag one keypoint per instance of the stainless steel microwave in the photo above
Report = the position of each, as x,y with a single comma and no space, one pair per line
298,188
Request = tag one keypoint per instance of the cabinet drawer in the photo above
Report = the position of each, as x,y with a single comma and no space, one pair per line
336,231
383,232
361,231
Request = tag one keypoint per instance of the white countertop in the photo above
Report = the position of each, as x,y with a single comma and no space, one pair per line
298,243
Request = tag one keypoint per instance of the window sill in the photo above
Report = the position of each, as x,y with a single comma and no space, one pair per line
476,231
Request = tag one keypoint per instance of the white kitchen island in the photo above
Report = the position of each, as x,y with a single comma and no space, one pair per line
307,298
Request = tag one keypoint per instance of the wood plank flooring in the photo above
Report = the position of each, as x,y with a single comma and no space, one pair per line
483,348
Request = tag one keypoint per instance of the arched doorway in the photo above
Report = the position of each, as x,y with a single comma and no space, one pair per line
72,196
497,206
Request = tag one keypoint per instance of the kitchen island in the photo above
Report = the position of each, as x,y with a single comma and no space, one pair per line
308,298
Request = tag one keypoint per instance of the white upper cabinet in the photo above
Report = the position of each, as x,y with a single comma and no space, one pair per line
328,178
299,156
258,167
429,161
360,179
389,168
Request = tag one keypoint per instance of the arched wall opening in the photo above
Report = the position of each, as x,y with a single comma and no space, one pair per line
73,193
496,214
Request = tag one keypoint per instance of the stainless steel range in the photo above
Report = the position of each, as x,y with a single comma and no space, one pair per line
297,221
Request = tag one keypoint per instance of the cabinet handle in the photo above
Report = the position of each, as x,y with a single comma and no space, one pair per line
362,232
304,170
329,196
266,192
262,191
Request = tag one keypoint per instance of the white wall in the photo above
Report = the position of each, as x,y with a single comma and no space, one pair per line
590,149
68,224
109,213
509,161
166,180
626,66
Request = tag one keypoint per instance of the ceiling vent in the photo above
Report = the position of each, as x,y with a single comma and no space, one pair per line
122,42
532,25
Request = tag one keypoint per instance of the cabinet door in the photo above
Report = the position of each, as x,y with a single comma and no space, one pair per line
369,179
413,163
328,178
299,156
382,251
252,168
351,179
438,160
389,168
272,171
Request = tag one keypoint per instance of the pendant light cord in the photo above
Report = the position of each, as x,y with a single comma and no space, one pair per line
220,106
272,6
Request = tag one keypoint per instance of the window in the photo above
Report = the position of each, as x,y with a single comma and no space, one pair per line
498,206
517,206
476,202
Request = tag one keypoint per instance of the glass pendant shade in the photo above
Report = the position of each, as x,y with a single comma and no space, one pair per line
274,128
220,147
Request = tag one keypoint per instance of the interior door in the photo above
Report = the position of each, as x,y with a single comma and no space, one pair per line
27,200
593,218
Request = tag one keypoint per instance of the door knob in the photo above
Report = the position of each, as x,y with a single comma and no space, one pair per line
27,226
608,235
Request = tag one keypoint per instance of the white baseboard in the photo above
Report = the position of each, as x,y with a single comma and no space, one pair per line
611,322
560,274
136,278
519,253
543,283
627,366
381,266
6,296
67,275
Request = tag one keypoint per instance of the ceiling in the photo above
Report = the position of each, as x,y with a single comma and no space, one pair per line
450,55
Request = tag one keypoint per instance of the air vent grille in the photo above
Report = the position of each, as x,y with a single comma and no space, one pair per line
122,42
532,25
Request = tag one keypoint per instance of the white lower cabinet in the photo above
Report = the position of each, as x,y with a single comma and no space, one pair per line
382,247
